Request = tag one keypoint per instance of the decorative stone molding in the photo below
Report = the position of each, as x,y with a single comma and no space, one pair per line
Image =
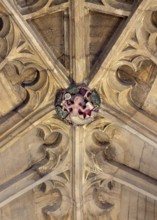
102,199
77,105
131,75
61,200
30,6
82,169
57,161
99,191
56,146
117,5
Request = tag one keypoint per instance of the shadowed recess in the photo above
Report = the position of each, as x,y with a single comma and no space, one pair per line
102,28
53,28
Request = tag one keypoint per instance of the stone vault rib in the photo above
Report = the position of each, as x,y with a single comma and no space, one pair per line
119,45
77,172
145,185
50,62
78,40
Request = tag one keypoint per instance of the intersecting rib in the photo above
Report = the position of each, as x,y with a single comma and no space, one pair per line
42,50
119,45
78,40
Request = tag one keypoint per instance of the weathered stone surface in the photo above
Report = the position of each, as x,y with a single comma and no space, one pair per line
104,170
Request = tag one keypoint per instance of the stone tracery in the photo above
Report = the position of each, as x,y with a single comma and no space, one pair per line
85,166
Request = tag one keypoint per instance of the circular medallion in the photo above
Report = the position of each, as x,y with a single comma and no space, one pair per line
77,105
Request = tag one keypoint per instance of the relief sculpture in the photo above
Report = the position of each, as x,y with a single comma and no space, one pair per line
78,109
77,104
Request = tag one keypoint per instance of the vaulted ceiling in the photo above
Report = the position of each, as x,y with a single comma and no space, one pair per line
107,169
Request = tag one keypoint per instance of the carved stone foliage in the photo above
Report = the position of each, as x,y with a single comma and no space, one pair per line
102,199
58,206
101,193
6,39
98,146
106,144
32,80
56,146
130,80
57,161
77,173
108,154
26,84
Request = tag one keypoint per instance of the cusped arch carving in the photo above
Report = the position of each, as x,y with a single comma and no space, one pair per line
130,81
30,6
56,146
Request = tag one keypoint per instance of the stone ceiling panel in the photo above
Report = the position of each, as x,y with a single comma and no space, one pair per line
105,169
54,28
102,29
